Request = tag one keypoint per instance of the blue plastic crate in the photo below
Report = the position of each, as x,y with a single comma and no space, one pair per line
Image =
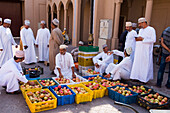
28,77
86,77
46,79
67,99
120,98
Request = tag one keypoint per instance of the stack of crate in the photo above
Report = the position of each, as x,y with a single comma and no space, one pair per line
85,57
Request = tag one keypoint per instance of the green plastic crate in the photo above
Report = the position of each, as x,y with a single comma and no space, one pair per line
89,48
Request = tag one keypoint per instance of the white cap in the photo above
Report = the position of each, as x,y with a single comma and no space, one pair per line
64,29
42,22
63,46
134,24
8,21
19,54
105,45
0,19
55,21
81,43
27,22
140,20
129,50
128,24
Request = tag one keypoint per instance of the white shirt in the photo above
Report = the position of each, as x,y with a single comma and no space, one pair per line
130,40
105,58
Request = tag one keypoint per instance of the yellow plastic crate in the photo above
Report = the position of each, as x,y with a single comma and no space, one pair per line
83,97
41,106
97,93
24,90
85,61
106,91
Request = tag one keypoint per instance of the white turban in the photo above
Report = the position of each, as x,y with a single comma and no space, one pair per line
63,46
140,20
81,43
128,24
0,19
129,50
27,22
42,22
55,21
134,24
19,54
8,21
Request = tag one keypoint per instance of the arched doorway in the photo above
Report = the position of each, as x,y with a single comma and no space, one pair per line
49,18
70,20
54,11
85,20
61,18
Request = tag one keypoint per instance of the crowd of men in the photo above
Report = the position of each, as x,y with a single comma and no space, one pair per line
137,55
137,62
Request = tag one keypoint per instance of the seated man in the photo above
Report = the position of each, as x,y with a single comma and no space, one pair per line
101,65
74,52
11,73
64,63
123,69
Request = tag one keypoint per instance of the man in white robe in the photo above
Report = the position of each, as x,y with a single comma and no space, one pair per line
102,60
28,41
6,41
130,38
11,73
75,51
64,63
142,68
42,42
123,69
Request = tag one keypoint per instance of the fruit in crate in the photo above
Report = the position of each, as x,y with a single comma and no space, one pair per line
62,91
95,78
76,79
62,80
93,86
156,98
39,96
79,90
90,71
107,83
122,91
47,82
139,89
30,85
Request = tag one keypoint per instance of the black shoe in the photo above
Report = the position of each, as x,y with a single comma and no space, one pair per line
167,87
158,86
40,61
4,87
15,92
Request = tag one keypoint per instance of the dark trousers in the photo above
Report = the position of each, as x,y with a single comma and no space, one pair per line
161,71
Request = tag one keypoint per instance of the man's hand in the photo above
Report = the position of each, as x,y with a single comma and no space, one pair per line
107,76
110,52
73,75
36,45
168,58
97,65
1,49
25,47
139,39
60,75
16,46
